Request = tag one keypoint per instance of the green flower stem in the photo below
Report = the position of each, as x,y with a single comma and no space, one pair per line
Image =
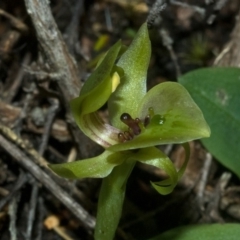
110,201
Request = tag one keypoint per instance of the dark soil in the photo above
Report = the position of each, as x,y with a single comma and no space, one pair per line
33,107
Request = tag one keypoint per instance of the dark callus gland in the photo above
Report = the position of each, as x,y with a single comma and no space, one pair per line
131,123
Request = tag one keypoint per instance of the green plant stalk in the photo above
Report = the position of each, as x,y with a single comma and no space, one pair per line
110,201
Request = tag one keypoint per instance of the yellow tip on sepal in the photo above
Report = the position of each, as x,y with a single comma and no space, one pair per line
115,81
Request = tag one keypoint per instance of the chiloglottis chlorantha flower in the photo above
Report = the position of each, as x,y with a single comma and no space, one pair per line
138,120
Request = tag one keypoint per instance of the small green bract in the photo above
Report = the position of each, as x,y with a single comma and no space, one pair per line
138,122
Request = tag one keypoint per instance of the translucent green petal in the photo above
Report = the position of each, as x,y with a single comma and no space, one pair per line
103,69
94,94
166,186
97,167
132,88
177,119
154,157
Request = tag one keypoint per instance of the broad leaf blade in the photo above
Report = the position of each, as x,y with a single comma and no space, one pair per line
202,232
216,91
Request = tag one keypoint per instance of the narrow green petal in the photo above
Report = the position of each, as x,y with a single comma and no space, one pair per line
177,119
97,167
154,157
166,186
132,88
103,69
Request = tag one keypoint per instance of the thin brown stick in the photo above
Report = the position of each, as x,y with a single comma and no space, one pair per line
12,211
230,55
40,216
22,179
71,35
18,24
32,210
168,43
52,111
62,65
13,89
42,162
203,180
87,220
154,13
54,48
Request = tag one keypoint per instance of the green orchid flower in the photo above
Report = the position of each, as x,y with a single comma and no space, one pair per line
138,122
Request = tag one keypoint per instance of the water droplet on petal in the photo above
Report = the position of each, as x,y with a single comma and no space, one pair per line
151,112
161,120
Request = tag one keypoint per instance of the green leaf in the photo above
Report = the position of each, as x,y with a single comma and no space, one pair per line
110,201
96,167
132,88
216,91
94,94
202,232
177,119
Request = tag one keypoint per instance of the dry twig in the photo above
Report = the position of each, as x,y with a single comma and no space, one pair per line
154,13
230,55
12,211
19,184
72,33
47,128
14,21
168,42
42,162
39,219
59,60
11,92
87,220
203,180
154,18
32,210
